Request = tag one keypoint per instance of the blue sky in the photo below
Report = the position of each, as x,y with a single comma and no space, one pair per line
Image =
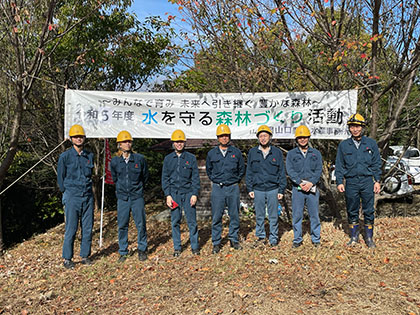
144,8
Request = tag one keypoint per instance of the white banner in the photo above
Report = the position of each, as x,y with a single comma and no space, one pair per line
157,115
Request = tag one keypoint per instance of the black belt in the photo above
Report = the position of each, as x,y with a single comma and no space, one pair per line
224,185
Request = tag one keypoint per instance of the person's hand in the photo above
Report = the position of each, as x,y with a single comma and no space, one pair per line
341,188
251,194
279,196
306,186
169,201
377,187
193,200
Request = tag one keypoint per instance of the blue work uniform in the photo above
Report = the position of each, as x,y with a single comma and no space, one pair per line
307,167
74,176
181,181
360,167
225,172
266,177
130,177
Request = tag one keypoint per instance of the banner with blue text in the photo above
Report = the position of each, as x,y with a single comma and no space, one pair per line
157,115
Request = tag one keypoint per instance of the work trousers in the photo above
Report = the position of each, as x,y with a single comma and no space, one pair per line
360,188
183,201
221,197
136,206
77,209
261,199
299,198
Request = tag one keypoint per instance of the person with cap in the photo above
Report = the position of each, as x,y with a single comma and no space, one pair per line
130,174
266,182
225,167
304,167
74,177
181,184
358,162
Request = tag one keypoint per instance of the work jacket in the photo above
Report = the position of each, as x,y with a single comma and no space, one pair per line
225,170
180,174
352,162
129,178
300,167
74,172
265,174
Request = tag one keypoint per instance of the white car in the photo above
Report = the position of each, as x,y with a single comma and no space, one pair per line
412,158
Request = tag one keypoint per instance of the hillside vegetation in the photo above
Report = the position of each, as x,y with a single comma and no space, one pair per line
307,280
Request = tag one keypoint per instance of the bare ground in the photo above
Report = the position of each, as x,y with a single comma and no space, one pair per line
331,279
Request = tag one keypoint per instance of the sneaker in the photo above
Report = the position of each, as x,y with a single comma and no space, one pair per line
235,245
196,251
122,258
87,261
68,264
142,255
296,245
274,244
216,249
177,253
317,244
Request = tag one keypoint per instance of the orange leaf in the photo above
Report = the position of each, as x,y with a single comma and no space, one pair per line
112,281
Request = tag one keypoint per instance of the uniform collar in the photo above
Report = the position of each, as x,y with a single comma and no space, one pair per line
228,149
259,148
362,140
130,159
74,152
310,150
176,155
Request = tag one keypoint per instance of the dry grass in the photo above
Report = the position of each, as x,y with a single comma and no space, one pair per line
330,279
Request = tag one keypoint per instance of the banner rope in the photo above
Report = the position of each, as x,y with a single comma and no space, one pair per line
20,177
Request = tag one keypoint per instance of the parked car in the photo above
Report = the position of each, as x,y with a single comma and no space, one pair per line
412,157
399,182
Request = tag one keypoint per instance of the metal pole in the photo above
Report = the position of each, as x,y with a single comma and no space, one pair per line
103,197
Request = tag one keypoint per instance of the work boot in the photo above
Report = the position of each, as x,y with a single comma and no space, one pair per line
216,249
369,236
354,234
68,264
259,242
87,261
296,245
235,245
142,255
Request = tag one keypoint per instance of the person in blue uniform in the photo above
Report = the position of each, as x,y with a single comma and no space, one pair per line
225,167
304,167
181,184
358,162
266,182
74,176
130,174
